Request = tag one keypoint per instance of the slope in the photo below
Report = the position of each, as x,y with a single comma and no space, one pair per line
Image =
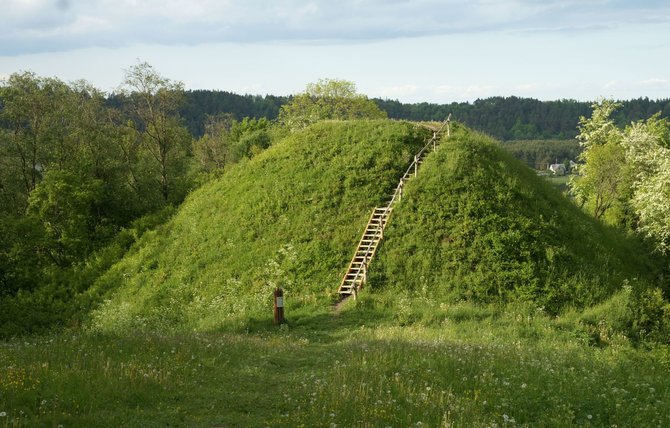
289,217
477,224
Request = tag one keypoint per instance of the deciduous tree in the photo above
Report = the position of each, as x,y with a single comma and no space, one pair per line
603,183
328,99
153,103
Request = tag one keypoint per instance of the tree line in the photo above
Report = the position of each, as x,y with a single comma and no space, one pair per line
505,118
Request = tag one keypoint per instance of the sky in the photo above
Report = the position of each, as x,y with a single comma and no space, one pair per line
410,50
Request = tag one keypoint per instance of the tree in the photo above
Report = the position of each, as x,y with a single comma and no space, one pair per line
628,170
212,149
227,141
328,99
34,116
603,182
153,103
63,203
648,151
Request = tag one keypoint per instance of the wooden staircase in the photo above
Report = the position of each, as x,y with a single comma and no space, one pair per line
356,274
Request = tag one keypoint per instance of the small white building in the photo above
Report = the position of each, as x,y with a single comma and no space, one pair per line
557,168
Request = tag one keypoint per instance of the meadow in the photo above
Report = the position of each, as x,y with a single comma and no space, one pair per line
381,361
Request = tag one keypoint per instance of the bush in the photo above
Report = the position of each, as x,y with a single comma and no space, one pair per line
650,316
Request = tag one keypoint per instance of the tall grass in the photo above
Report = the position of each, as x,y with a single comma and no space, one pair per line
464,365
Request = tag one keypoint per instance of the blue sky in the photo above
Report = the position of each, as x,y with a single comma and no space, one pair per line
411,50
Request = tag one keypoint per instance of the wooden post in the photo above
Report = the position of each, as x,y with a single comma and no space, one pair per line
416,165
449,125
434,140
279,306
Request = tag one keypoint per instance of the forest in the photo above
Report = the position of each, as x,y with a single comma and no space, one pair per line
505,118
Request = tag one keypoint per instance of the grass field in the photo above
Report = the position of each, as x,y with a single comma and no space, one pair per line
370,365
560,181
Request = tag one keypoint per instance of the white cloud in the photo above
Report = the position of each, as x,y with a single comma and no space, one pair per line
48,25
654,82
526,87
399,91
464,92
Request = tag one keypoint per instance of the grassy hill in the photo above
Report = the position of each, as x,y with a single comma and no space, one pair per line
289,217
477,223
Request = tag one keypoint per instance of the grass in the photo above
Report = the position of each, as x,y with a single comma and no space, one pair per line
466,365
560,181
288,217
475,224
478,224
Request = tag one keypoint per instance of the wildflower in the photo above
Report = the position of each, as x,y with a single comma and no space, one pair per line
589,417
3,414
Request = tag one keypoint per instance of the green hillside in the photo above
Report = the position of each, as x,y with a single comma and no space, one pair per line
477,223
289,217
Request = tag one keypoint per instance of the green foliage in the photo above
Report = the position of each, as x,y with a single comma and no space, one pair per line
624,178
648,152
73,173
514,118
64,204
328,99
651,316
200,104
227,141
153,103
22,263
505,118
603,184
36,297
477,224
307,196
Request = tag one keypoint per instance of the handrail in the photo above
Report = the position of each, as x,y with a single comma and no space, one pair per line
363,265
416,158
368,252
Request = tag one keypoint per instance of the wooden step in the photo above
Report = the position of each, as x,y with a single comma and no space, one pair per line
372,235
